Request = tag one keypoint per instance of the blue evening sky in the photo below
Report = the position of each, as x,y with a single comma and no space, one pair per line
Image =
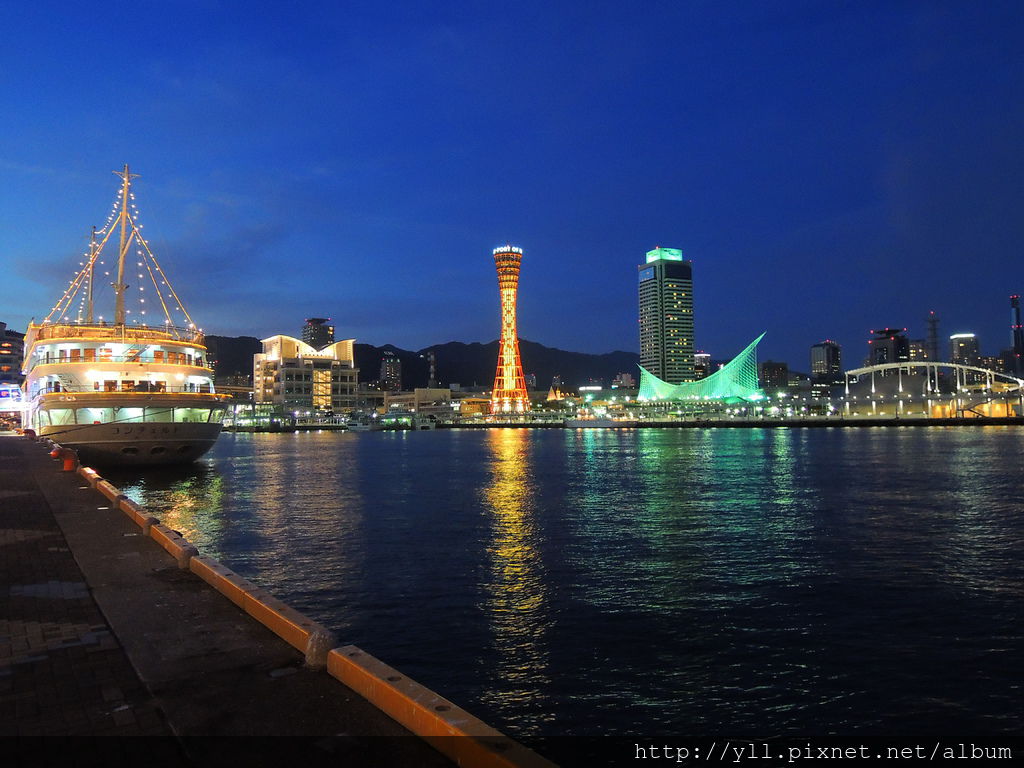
830,167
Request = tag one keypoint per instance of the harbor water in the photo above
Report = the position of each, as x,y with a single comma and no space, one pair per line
586,591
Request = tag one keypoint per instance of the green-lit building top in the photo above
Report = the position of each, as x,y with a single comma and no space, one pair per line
736,380
668,254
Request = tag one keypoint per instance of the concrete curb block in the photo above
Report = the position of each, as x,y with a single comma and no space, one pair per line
173,544
299,631
90,475
134,512
108,490
428,715
222,578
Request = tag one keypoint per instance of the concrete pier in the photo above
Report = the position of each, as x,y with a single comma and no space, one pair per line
111,653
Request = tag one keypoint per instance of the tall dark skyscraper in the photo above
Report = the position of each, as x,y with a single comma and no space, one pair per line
317,333
933,336
890,345
666,315
390,372
826,363
1017,336
964,349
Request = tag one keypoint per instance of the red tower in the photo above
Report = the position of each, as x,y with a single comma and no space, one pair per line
509,392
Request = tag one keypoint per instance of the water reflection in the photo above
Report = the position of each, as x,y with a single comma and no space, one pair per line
188,499
516,592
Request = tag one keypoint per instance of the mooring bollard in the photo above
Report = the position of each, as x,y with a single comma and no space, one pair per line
320,643
70,459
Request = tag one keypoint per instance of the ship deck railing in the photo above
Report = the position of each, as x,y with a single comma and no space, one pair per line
147,359
82,389
123,332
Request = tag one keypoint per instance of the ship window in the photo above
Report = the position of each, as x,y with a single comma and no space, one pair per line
76,355
90,354
192,414
130,450
185,449
158,355
160,414
156,450
61,416
106,354
95,415
129,415
158,386
127,385
44,419
110,386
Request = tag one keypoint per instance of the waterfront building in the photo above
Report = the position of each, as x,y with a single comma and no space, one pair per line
294,374
774,376
317,333
919,350
666,315
932,345
390,372
890,345
733,382
701,365
509,393
826,363
425,401
12,355
624,381
992,363
963,349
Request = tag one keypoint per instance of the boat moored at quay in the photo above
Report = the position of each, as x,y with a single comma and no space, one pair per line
121,392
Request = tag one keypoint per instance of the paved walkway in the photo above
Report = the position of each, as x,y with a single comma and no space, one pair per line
111,654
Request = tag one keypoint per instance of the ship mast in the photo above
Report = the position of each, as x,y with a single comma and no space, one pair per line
120,286
92,273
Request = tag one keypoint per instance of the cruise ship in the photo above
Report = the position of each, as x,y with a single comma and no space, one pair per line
122,391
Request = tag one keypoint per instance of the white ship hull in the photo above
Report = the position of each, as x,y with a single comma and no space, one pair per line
107,445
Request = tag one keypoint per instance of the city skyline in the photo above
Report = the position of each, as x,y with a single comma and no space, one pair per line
357,165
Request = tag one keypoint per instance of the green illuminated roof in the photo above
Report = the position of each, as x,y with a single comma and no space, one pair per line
736,380
668,254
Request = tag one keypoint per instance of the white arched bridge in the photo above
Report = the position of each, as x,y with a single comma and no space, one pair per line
954,387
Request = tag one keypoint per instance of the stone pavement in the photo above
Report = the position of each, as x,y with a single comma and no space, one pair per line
111,655
62,672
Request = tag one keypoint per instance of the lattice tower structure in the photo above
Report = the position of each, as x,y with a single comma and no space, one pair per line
509,392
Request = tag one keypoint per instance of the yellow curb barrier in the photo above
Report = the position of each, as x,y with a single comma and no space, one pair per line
135,513
222,578
173,544
108,490
428,715
296,629
299,631
90,475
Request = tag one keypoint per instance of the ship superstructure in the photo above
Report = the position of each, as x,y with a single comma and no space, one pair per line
122,391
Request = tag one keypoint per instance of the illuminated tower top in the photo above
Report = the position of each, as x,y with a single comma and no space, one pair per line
509,392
